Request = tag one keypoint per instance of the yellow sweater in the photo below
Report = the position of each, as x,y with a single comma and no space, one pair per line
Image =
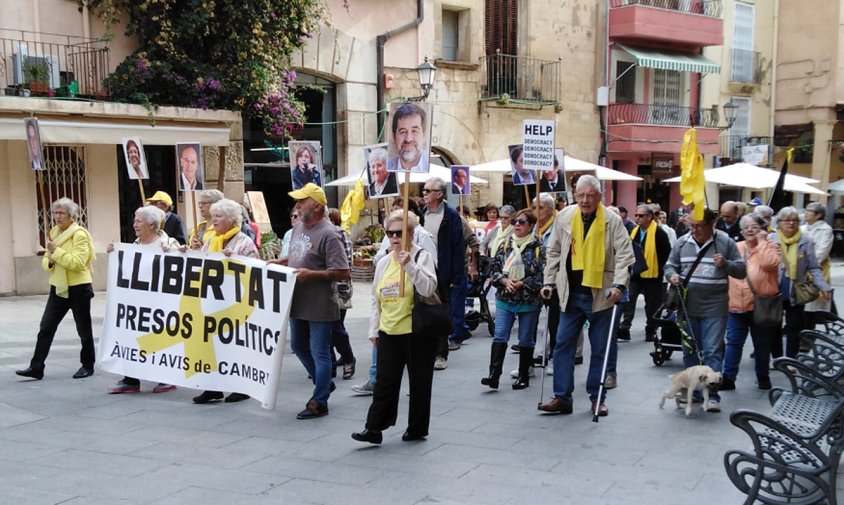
73,256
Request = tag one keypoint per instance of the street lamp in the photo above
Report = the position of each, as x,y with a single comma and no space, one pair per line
427,71
730,111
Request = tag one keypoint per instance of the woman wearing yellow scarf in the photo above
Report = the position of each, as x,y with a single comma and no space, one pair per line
500,233
226,219
204,230
517,272
798,260
70,253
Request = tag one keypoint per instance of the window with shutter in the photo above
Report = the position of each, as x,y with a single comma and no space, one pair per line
501,44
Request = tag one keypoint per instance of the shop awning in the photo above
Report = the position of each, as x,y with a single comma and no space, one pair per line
56,131
670,60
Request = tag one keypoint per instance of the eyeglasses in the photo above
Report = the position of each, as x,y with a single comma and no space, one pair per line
789,221
521,220
394,233
642,215
58,213
587,196
506,217
426,190
203,203
752,228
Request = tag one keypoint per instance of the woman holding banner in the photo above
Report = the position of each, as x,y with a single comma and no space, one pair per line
226,220
390,329
148,232
204,230
70,252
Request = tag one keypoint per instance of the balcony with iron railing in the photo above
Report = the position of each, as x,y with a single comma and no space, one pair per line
693,23
520,79
636,127
745,67
742,148
47,64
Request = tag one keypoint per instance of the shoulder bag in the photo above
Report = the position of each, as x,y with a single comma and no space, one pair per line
432,320
767,310
672,298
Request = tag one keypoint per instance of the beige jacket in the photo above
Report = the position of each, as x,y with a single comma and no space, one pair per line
423,275
618,257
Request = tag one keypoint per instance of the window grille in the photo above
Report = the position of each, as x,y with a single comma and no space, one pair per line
64,175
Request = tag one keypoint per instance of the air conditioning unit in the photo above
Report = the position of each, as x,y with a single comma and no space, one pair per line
50,61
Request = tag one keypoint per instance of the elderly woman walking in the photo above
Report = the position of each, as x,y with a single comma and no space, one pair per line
148,232
762,260
390,328
822,236
70,252
226,220
517,272
798,263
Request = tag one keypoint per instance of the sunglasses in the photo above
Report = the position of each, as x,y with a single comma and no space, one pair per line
521,220
426,190
394,233
642,215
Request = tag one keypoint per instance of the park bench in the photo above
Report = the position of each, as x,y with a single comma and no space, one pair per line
797,446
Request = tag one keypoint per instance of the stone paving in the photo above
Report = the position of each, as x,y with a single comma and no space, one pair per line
65,441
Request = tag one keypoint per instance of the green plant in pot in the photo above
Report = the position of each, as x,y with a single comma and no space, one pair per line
37,76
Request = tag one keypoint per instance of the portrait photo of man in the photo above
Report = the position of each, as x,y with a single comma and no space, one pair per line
521,175
460,180
410,129
136,163
191,175
33,142
305,163
554,180
381,182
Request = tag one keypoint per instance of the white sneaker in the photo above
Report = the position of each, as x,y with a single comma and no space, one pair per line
515,373
440,363
363,389
713,405
549,369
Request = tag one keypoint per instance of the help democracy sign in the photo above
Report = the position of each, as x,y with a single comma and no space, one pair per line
538,141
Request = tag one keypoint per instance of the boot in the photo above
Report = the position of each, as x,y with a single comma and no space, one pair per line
525,362
496,362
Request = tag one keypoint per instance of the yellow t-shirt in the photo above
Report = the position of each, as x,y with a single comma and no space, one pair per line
395,311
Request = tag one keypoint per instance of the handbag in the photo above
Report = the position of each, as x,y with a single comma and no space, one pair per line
806,291
767,310
432,320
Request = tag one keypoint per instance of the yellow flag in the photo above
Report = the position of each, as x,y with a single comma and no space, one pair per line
352,205
692,182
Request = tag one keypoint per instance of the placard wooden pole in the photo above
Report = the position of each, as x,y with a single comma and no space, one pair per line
460,204
141,188
192,207
39,179
221,172
527,196
538,175
405,241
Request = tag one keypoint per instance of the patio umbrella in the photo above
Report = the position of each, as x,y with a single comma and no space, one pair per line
837,186
750,176
571,165
436,171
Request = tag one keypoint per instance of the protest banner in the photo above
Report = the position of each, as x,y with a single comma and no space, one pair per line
196,319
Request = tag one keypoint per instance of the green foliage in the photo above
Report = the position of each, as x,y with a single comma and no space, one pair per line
214,54
270,246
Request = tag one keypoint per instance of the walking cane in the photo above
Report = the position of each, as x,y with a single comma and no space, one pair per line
607,294
545,353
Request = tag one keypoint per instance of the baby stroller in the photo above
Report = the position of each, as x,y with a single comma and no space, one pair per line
480,289
669,338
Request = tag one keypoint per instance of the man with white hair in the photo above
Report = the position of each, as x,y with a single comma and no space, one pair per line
588,260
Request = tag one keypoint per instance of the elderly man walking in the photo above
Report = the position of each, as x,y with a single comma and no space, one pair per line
700,262
318,254
589,254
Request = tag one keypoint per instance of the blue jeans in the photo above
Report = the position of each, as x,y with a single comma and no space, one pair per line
612,360
738,323
373,368
709,339
578,311
311,343
504,320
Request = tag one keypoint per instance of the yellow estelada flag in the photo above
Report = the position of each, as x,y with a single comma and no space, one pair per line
352,205
692,182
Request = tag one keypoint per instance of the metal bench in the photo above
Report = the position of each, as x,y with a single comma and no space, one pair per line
797,446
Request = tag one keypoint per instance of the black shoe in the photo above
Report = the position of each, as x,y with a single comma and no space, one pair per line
31,373
83,372
764,382
371,436
208,396
521,383
236,397
622,334
313,410
727,385
349,370
578,360
407,436
332,387
650,337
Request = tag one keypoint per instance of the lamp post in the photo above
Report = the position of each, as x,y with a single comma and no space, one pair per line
427,71
730,112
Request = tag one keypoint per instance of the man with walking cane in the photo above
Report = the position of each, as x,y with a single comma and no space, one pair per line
588,260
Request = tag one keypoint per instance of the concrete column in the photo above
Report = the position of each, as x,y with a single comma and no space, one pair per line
821,154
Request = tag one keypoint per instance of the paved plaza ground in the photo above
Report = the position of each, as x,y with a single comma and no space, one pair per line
65,441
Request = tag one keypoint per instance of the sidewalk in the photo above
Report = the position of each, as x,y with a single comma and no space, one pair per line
65,441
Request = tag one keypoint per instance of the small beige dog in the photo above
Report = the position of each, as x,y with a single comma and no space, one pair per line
696,377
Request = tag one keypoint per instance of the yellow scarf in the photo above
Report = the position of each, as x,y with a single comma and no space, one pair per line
61,238
592,246
502,235
540,230
204,230
650,250
789,253
217,242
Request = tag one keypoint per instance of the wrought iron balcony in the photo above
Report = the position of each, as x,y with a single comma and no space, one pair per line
755,150
49,64
710,8
515,78
745,66
662,115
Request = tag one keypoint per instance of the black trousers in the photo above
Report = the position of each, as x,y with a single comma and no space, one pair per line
340,342
653,291
395,352
78,302
794,323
